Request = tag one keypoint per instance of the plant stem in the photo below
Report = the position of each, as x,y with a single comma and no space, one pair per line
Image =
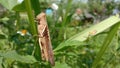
30,16
32,27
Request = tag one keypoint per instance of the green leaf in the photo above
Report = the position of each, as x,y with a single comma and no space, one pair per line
4,19
61,65
20,7
36,6
92,31
9,4
2,36
98,28
71,43
16,57
1,61
106,43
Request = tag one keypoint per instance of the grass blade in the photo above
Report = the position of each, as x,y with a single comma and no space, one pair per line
106,43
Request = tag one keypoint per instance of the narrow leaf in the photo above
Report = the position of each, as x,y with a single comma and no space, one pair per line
106,43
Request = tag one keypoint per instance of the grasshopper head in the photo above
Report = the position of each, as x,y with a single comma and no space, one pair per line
41,16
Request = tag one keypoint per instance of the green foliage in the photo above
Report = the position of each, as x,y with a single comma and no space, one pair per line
83,46
93,30
9,4
20,7
106,43
61,65
13,56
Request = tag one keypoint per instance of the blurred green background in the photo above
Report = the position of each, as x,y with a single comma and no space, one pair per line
84,33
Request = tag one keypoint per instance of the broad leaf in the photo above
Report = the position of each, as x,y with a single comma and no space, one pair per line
20,7
16,57
9,4
93,30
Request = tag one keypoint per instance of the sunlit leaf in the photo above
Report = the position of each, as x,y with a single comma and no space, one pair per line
92,31
9,4
96,29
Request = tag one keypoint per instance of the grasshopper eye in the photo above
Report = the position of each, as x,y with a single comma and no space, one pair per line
38,21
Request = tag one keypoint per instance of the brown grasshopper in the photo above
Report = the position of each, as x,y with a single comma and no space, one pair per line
44,39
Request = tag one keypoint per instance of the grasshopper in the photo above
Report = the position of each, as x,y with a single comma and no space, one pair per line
44,39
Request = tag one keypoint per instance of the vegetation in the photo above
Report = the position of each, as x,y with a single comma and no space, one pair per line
76,44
